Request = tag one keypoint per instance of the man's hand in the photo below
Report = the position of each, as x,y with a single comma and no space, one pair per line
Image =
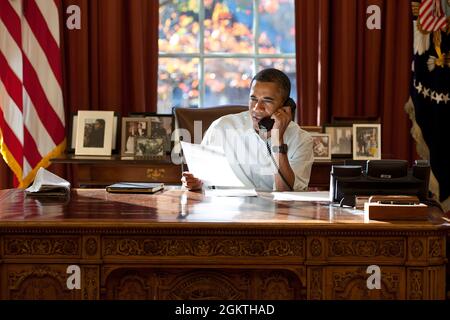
282,119
190,182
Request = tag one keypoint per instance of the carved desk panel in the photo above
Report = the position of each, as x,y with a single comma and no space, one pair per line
160,247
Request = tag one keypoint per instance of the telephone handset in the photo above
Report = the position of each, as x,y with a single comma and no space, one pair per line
267,123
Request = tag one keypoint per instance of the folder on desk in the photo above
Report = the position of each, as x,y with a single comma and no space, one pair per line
135,187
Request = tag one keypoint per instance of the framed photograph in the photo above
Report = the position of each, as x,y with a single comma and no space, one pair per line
148,148
73,133
132,128
340,139
312,129
321,146
366,141
94,133
161,127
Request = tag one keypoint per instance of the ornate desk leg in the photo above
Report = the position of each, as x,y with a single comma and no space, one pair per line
426,268
90,284
315,272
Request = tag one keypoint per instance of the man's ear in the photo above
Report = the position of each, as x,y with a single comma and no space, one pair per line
291,103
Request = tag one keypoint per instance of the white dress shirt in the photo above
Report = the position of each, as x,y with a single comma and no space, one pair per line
242,144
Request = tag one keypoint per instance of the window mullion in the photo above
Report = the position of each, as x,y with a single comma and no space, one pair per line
201,71
255,35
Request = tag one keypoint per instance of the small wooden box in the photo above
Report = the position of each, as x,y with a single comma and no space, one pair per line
379,211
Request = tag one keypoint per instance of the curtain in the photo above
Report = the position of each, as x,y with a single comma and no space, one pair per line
6,176
346,70
112,62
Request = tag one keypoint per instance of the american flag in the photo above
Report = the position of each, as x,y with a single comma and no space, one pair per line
431,15
429,107
32,125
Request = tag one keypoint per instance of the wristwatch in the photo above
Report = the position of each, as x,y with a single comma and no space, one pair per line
280,149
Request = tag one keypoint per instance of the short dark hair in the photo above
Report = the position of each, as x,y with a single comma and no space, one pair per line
276,76
101,121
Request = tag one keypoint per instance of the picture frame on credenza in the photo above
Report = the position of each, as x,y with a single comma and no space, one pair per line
133,127
72,135
321,146
341,142
94,134
366,141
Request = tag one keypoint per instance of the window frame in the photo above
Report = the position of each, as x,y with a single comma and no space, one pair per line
255,56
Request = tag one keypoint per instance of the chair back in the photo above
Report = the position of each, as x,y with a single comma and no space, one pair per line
185,118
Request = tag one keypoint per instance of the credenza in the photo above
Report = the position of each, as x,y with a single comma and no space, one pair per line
186,245
91,171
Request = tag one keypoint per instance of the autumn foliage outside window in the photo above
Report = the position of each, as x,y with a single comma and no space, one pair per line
210,49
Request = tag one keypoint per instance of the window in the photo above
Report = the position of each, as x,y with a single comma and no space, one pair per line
208,52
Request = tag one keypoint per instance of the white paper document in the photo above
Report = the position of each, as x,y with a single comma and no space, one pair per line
322,196
47,183
210,164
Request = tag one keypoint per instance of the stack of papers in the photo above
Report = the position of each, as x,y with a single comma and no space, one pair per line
48,184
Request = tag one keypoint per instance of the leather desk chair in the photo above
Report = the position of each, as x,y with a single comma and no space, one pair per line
185,117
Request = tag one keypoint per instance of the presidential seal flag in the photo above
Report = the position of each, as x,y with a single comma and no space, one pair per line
429,105
32,126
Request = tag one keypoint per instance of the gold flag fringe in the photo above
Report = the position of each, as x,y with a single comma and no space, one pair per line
424,152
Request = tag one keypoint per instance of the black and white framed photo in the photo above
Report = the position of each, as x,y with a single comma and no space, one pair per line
340,139
133,127
321,146
73,133
366,141
148,148
94,133
161,127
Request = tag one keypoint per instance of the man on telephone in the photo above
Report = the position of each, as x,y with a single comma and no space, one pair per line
272,151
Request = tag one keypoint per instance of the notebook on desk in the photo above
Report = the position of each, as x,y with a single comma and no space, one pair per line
135,187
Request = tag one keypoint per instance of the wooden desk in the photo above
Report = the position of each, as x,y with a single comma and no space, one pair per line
103,171
183,245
